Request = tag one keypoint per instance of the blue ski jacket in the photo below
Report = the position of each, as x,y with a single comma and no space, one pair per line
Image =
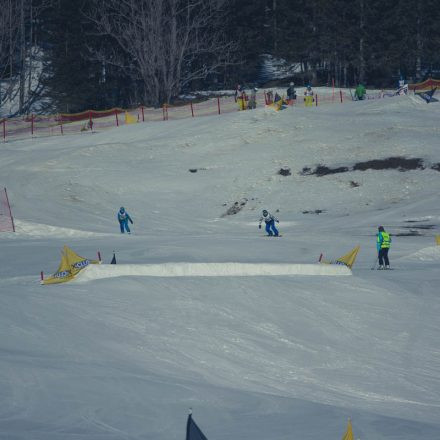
123,216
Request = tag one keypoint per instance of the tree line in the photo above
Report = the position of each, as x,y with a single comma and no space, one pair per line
70,56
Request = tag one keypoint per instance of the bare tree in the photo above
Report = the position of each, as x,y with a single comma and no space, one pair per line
169,43
18,51
9,25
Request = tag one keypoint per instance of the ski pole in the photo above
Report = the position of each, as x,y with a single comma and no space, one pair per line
375,262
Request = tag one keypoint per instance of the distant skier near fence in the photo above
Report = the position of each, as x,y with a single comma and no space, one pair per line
123,219
402,88
270,220
360,92
252,104
240,97
291,93
308,96
383,244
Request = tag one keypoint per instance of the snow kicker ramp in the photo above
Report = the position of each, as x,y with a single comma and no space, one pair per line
209,270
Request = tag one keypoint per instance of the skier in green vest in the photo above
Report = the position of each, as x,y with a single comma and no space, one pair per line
383,244
360,92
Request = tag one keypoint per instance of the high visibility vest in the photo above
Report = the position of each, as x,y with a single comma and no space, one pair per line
386,240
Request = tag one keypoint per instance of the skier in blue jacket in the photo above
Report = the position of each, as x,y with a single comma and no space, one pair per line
270,220
123,219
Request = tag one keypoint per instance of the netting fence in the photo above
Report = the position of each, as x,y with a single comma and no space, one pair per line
93,120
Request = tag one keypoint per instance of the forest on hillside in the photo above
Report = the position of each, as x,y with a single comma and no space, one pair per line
73,55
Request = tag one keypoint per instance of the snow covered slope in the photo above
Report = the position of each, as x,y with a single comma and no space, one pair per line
256,357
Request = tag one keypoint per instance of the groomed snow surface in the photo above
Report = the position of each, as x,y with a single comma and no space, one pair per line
202,310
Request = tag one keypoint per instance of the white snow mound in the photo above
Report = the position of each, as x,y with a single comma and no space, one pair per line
95,272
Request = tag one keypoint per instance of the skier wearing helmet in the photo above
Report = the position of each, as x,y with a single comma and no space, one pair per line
308,96
270,220
123,219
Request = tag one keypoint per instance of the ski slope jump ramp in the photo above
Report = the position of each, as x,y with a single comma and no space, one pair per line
95,272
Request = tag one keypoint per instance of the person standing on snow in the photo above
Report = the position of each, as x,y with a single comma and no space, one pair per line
238,92
402,88
308,96
383,244
291,93
123,219
270,220
360,92
252,104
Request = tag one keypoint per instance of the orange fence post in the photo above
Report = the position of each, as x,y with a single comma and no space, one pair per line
117,120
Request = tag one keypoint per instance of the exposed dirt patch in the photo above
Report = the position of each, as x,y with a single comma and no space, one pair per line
316,211
285,171
354,184
194,170
391,163
420,227
436,166
397,163
323,170
407,234
235,208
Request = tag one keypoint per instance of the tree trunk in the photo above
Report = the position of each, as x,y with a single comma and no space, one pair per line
361,42
275,25
22,59
419,44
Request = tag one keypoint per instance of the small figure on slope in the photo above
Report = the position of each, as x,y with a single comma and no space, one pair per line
252,99
291,93
383,244
270,220
123,219
269,97
402,88
360,92
308,96
238,92
240,97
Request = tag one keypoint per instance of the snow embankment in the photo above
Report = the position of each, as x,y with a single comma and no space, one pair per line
431,253
95,272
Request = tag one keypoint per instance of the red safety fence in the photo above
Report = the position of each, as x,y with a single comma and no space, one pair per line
93,120
6,219
429,84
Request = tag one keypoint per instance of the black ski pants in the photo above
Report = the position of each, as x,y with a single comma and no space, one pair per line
383,256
